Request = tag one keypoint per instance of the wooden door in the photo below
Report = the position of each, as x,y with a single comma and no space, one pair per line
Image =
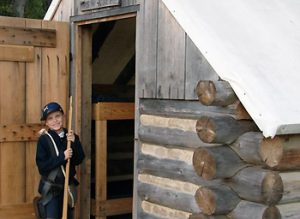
34,69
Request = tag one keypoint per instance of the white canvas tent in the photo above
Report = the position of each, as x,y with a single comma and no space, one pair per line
255,46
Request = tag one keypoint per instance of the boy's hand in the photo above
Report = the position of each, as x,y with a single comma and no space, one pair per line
68,153
70,136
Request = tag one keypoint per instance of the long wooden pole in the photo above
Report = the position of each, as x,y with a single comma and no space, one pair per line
66,187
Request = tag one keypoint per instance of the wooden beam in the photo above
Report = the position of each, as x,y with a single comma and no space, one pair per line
247,146
190,109
169,136
280,153
19,132
169,122
290,210
215,93
159,211
166,192
247,210
16,53
222,129
216,199
291,186
169,162
216,162
258,185
113,111
86,5
28,36
106,15
111,207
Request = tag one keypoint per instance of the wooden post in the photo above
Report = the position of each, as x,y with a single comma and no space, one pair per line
215,93
101,158
67,171
222,129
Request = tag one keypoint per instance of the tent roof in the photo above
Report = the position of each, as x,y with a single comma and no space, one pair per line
255,46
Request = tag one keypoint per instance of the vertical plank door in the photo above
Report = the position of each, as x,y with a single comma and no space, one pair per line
34,69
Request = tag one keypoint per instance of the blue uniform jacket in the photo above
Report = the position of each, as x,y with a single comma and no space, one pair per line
46,162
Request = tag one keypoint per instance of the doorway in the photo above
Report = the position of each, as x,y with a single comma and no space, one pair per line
105,83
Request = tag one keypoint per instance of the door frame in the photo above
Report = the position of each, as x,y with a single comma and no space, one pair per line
80,88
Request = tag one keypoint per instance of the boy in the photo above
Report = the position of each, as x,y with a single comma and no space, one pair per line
51,158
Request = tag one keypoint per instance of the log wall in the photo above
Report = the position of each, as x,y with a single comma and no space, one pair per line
186,163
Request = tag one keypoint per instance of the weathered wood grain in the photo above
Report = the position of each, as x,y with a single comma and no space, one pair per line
170,56
216,200
252,210
196,68
289,211
113,111
279,153
86,5
27,36
146,48
169,136
111,207
215,93
159,211
247,146
189,109
291,187
216,162
16,53
258,185
171,162
222,129
171,193
19,132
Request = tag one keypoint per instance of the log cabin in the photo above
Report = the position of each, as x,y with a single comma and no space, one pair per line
185,110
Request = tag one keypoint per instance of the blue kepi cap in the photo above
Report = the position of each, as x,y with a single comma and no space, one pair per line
50,108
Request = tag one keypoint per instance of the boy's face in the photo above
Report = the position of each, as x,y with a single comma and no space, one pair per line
55,121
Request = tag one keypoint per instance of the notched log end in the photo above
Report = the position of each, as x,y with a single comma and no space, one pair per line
205,128
272,188
206,92
206,200
271,151
271,212
204,164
